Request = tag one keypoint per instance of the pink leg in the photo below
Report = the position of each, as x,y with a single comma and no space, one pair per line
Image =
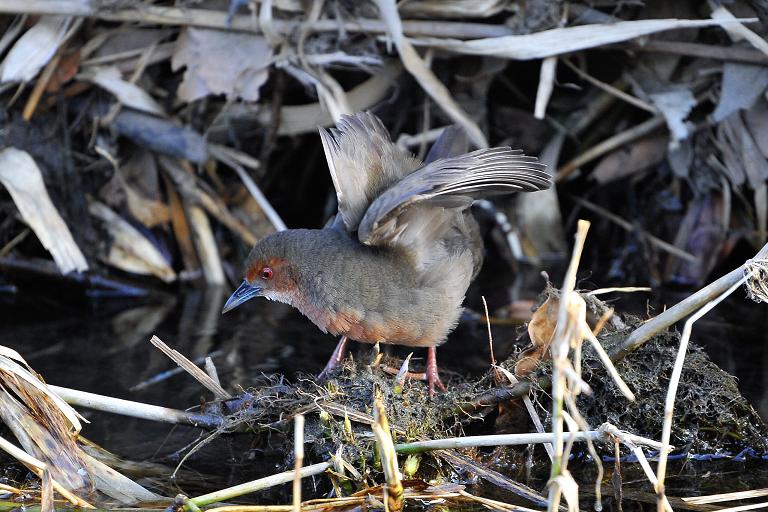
433,378
336,358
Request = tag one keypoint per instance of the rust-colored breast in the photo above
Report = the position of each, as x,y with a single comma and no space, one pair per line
384,331
369,328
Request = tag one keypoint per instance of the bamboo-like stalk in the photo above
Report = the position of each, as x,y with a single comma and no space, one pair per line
136,409
192,369
257,485
682,309
511,440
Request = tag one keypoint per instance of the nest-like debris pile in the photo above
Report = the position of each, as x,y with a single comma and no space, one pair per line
710,416
339,412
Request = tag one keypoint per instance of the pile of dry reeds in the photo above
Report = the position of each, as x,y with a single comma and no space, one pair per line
146,139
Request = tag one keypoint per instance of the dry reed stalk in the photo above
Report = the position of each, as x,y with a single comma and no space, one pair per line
682,309
561,344
393,497
39,467
519,439
674,381
609,144
256,485
136,409
298,455
192,369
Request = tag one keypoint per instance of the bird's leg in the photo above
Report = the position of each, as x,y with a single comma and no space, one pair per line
433,377
336,358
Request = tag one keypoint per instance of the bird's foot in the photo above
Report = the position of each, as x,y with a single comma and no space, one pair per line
433,377
336,358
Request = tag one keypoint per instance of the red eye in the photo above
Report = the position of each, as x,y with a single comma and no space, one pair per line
266,273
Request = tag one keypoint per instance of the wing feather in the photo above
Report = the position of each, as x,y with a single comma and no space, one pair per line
363,162
448,183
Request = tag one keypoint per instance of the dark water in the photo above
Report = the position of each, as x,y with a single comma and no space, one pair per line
103,346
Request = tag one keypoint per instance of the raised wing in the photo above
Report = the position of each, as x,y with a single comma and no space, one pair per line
451,142
447,183
363,162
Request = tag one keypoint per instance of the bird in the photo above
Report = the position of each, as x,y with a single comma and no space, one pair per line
394,263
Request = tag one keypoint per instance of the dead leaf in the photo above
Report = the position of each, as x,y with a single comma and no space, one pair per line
675,105
541,328
540,220
21,176
701,232
129,94
564,40
129,250
34,49
220,62
742,85
681,158
631,158
756,119
729,141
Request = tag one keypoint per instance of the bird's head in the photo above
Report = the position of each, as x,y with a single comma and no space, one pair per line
270,272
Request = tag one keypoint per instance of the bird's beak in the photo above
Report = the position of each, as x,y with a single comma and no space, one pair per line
243,293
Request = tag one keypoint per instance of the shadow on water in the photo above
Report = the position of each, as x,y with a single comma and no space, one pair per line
103,347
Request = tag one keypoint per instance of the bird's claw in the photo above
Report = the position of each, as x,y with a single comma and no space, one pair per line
336,358
433,377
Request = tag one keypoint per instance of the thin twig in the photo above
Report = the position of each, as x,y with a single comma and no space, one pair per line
628,226
230,157
674,380
632,100
609,144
